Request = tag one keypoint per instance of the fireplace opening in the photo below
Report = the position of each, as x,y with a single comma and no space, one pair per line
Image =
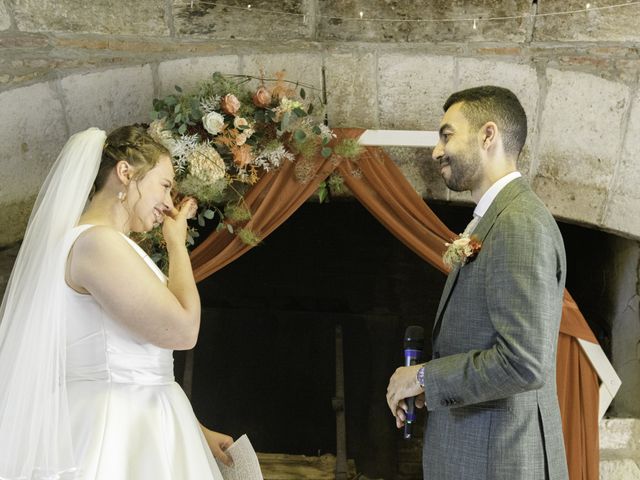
265,359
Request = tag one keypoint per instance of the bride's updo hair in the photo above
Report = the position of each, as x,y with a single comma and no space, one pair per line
132,144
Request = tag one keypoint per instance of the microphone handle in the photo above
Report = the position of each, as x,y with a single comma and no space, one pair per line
411,357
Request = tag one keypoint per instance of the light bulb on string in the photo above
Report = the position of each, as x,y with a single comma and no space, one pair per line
249,7
588,6
361,15
475,23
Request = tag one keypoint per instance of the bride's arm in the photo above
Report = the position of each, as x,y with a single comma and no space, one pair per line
103,264
218,443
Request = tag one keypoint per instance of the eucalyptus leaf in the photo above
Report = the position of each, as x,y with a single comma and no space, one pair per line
316,130
299,136
326,152
284,123
201,220
209,214
182,129
178,88
303,94
299,112
322,194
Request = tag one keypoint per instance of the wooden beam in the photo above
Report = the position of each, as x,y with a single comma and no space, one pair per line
399,138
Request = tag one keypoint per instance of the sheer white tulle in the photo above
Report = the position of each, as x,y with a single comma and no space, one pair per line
35,438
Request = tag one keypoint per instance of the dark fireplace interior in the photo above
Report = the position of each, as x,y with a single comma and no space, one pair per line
265,360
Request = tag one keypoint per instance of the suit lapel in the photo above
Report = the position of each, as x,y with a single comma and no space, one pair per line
504,198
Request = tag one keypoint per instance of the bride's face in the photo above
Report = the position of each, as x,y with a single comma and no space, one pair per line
150,197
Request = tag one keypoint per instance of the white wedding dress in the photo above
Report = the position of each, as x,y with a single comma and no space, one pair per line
129,419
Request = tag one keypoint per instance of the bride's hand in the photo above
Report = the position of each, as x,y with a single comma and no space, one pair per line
218,443
174,228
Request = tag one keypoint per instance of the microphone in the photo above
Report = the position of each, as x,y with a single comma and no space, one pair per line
413,346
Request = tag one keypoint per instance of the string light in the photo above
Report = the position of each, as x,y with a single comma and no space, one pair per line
475,24
588,8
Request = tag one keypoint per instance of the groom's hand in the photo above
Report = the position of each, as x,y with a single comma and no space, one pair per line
403,384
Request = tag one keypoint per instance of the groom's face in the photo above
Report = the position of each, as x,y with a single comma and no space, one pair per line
458,151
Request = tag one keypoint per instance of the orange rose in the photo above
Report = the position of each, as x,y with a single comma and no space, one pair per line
242,155
262,97
230,104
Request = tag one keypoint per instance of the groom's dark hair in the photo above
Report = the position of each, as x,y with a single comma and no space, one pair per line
494,104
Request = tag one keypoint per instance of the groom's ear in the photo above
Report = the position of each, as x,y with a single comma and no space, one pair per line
488,135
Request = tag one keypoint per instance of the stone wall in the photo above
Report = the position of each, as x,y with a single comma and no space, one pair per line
65,66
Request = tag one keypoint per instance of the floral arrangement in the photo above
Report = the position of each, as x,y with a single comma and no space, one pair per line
229,131
462,250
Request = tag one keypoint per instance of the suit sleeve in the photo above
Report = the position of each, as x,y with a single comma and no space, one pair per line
524,291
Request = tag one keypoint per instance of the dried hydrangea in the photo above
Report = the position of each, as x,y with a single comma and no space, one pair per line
206,163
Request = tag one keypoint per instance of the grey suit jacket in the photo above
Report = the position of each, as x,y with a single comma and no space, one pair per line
491,385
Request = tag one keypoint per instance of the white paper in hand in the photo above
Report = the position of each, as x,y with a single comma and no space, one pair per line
245,462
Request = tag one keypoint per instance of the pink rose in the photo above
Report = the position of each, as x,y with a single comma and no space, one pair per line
230,104
262,97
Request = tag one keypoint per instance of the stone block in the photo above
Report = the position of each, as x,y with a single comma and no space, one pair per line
601,25
351,89
412,90
108,99
625,345
5,18
577,155
624,204
399,21
573,202
619,469
521,79
142,17
305,68
266,19
187,73
32,132
420,170
622,434
622,215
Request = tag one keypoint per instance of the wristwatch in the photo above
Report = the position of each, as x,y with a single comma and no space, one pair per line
420,376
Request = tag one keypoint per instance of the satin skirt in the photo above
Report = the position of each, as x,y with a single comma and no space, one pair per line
129,431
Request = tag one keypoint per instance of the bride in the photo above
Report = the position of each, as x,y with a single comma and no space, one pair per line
88,324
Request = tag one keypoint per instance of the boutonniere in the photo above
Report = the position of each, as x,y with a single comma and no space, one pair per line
462,250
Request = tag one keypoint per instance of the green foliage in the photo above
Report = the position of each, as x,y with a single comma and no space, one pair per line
349,148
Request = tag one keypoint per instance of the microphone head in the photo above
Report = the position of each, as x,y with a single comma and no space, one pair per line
414,337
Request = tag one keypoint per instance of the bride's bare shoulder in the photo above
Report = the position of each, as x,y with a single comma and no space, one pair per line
99,240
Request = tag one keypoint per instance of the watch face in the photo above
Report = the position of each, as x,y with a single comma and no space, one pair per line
420,376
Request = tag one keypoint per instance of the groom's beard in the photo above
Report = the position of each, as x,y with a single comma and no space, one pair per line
464,170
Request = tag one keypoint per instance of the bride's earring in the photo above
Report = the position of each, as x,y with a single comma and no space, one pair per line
122,196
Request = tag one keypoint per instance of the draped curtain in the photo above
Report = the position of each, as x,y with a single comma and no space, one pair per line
380,186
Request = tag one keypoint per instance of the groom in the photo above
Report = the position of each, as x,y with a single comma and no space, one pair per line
490,387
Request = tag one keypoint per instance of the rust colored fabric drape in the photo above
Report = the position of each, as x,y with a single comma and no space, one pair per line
380,186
